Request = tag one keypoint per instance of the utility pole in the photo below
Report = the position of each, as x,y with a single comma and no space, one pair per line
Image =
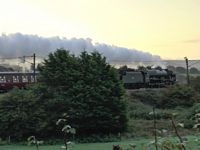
33,64
155,128
34,67
187,70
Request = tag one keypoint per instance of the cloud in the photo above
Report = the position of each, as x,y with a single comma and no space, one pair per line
192,41
18,44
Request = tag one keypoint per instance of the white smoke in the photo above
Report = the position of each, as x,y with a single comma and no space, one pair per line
14,45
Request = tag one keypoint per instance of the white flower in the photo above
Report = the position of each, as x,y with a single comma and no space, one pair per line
180,125
60,120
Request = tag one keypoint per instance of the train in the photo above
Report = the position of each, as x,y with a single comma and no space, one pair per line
9,80
132,79
149,78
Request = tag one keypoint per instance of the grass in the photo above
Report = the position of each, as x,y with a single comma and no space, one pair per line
87,146
99,146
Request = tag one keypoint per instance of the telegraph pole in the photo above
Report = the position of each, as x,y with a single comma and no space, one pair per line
34,67
187,70
155,128
33,64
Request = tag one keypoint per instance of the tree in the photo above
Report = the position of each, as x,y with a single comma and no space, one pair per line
60,69
180,70
194,70
88,89
172,68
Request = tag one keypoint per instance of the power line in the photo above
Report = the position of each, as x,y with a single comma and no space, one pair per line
6,58
147,61
117,61
194,63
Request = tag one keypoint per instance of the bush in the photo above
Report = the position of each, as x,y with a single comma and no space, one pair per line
22,114
188,117
179,95
188,123
150,97
195,83
138,110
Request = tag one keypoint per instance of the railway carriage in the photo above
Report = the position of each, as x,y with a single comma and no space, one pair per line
9,80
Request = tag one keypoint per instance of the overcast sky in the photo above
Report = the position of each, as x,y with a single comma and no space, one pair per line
168,28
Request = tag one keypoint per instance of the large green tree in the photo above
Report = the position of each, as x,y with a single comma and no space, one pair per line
88,89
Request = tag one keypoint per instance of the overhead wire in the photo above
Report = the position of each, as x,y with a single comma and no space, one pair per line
116,61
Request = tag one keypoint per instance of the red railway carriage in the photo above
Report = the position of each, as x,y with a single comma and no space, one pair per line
9,80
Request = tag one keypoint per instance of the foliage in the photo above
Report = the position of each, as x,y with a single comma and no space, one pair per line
172,68
195,83
138,110
179,95
180,70
86,88
125,144
194,70
67,130
60,70
192,116
150,97
100,138
21,114
33,140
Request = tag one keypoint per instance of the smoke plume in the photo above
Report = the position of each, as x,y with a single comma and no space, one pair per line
14,45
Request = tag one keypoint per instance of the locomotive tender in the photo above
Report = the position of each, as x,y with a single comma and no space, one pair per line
151,78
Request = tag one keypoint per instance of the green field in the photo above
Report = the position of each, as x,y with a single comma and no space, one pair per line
192,145
87,146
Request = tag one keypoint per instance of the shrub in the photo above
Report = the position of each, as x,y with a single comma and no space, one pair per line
195,83
179,95
21,114
150,97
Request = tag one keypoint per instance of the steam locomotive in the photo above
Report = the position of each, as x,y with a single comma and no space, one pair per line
150,78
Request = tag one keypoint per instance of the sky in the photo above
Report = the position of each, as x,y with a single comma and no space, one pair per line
168,28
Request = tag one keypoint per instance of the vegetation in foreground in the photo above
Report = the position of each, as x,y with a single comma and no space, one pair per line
90,92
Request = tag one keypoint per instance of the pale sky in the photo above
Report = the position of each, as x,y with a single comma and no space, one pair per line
169,28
